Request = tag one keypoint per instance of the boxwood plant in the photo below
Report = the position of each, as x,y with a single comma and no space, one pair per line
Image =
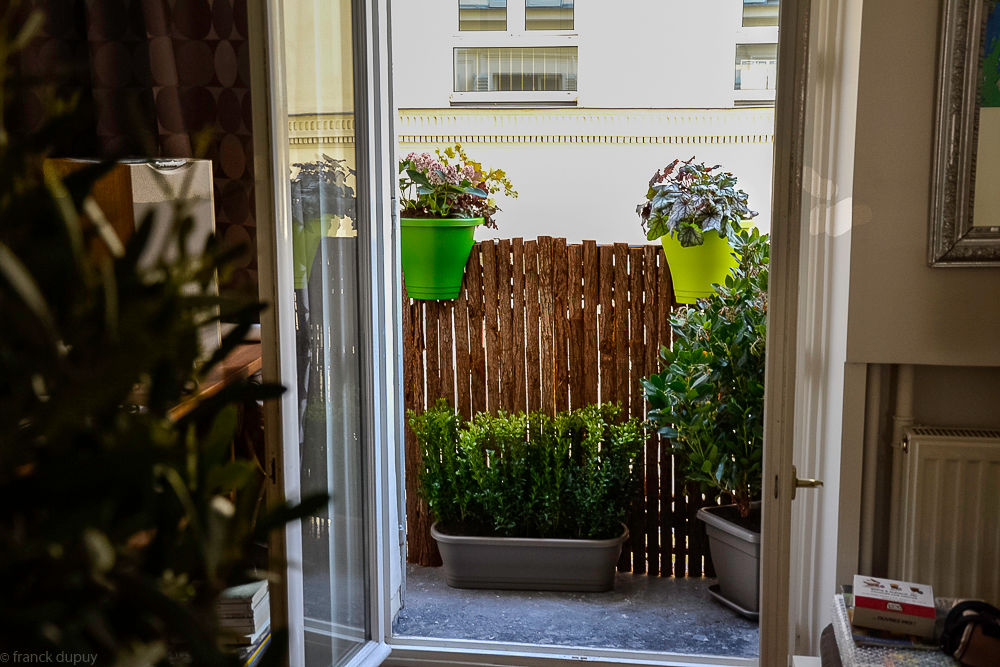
709,397
529,475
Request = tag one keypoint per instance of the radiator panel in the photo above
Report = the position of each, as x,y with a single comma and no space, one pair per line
949,512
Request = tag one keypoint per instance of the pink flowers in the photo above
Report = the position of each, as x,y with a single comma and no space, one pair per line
438,173
450,185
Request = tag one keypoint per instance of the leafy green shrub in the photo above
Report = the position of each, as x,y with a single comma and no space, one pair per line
709,397
529,475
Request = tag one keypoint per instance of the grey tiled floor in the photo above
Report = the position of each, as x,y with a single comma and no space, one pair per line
641,613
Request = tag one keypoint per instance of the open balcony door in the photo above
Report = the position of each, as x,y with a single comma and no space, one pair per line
325,182
332,340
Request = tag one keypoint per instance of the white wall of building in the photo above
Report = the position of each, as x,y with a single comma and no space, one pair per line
639,54
655,82
580,173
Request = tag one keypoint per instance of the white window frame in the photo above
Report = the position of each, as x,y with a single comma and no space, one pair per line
516,36
753,35
384,405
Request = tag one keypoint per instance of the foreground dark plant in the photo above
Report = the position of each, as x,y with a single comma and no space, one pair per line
121,521
709,397
568,476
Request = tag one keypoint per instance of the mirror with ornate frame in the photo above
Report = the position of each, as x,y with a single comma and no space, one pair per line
965,187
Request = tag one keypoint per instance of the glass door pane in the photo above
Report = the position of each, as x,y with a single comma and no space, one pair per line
319,90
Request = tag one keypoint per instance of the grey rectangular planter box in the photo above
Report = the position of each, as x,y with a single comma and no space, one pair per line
736,556
527,563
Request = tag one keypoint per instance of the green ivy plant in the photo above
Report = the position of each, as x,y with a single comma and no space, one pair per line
709,396
529,475
687,199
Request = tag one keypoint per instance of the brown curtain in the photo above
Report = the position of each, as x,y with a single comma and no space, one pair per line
154,78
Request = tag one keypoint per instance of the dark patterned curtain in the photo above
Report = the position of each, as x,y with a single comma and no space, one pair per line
154,78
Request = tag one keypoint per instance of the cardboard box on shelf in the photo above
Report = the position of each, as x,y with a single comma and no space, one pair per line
896,606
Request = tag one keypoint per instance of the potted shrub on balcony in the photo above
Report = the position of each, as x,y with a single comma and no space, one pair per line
529,502
444,198
696,212
709,400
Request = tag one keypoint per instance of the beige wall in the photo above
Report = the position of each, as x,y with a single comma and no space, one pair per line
902,311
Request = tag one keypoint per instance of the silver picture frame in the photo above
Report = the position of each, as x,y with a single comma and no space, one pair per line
954,240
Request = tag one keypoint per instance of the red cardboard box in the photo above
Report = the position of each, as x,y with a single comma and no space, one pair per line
896,606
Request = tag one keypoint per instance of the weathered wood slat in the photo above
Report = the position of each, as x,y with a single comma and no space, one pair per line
517,272
546,313
463,369
636,367
446,351
621,326
506,325
591,301
431,317
650,345
477,353
606,331
560,337
532,327
575,336
491,325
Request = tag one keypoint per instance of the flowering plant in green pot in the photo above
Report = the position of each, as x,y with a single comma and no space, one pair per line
696,211
444,197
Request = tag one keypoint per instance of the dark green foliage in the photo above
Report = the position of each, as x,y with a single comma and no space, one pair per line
709,397
119,523
568,476
690,199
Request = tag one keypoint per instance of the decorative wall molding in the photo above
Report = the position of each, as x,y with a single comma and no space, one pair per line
551,126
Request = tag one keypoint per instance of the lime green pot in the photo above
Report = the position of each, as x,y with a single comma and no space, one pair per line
434,254
694,270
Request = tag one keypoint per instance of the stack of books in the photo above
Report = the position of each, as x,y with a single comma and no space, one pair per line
244,614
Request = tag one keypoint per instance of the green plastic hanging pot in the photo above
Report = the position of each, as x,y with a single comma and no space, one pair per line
695,269
434,254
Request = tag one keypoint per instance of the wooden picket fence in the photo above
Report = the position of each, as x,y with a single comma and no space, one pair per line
542,325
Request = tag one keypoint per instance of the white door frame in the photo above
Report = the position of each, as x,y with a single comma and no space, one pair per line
383,408
379,313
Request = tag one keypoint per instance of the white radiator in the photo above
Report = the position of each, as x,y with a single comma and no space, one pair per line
948,511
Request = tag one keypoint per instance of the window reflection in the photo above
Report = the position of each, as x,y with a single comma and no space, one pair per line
482,14
539,68
760,13
548,14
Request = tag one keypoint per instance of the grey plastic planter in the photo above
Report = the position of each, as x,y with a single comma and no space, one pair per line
736,556
532,564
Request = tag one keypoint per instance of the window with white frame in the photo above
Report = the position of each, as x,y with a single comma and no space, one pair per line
548,14
515,68
760,13
522,52
756,66
482,15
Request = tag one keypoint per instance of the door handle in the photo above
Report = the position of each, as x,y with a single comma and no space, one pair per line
803,483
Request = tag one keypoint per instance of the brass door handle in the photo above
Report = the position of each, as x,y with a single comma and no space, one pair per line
803,483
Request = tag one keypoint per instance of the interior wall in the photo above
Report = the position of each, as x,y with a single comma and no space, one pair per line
901,310
944,320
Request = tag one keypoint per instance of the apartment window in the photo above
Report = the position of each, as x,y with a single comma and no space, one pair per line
548,14
481,69
756,66
760,13
482,14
